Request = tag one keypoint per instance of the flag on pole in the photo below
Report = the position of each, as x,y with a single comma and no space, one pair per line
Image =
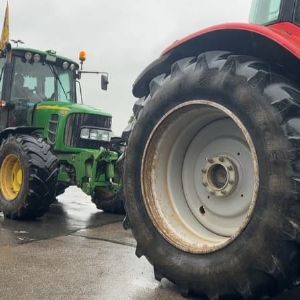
5,31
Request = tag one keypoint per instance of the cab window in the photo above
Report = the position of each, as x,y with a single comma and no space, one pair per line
39,81
2,63
265,11
297,13
64,88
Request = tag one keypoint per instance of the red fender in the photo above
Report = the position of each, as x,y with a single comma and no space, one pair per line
285,34
279,44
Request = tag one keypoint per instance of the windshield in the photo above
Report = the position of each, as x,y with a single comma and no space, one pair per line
40,81
265,11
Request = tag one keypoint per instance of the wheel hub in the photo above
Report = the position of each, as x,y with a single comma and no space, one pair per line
200,176
220,176
11,177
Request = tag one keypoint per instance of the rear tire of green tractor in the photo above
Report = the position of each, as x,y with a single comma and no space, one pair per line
28,176
212,178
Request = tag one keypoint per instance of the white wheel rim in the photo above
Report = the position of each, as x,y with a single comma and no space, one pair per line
200,176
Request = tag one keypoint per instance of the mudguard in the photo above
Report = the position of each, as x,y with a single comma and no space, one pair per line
278,44
16,130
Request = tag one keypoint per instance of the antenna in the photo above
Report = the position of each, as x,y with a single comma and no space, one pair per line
17,42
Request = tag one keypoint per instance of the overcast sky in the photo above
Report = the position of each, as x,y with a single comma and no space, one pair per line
121,37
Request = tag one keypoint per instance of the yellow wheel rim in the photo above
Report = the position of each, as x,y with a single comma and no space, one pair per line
11,177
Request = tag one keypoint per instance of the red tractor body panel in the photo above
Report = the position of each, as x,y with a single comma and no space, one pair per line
285,34
277,44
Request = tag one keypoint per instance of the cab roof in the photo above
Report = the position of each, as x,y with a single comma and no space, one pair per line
44,54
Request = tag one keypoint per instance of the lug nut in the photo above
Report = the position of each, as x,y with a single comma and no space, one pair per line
205,184
210,160
230,168
221,159
203,171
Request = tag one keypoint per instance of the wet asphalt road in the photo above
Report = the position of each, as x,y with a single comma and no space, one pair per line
77,252
73,211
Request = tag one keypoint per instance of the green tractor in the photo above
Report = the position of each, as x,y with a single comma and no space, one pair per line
48,141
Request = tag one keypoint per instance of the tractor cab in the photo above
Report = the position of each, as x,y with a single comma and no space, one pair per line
268,12
29,77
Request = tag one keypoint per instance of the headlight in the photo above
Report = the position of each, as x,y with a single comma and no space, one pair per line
65,65
28,56
36,57
85,133
95,134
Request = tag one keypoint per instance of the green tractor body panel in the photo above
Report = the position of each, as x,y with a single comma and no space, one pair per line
92,168
45,110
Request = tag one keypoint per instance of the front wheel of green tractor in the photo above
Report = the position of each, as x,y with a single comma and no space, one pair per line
28,174
212,177
60,189
108,201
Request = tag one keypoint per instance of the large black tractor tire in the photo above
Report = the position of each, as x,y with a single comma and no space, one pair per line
180,211
109,203
27,192
60,189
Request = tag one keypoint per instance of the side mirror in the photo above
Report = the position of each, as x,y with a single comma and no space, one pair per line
104,82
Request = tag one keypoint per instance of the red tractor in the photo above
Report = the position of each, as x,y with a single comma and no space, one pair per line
212,168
